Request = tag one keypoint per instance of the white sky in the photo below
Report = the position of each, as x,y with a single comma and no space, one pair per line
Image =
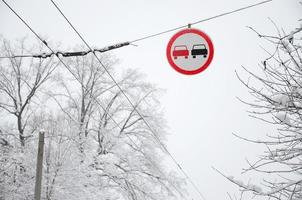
202,110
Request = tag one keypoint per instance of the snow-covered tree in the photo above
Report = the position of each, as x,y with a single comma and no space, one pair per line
20,81
96,145
278,101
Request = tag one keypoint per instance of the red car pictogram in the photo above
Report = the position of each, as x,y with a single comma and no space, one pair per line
180,50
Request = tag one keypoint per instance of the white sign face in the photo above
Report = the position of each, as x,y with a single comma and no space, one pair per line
190,51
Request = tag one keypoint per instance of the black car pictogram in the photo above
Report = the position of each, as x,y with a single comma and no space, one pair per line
199,49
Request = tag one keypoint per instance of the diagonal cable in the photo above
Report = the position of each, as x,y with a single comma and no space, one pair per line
119,45
130,102
67,67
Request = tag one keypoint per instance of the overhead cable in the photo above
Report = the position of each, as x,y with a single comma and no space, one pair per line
104,109
126,96
119,45
130,102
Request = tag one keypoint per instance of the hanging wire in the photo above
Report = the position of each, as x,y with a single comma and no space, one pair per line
133,41
199,21
125,95
97,101
119,45
70,54
18,56
130,102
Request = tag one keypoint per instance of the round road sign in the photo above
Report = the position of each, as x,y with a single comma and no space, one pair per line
190,51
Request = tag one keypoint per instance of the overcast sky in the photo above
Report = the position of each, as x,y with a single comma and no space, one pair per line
201,110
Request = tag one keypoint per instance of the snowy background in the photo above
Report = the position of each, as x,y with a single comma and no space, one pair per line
202,110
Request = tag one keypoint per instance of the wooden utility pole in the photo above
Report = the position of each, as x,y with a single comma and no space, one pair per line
39,166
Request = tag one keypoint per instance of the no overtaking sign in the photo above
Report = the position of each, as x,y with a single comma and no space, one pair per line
190,51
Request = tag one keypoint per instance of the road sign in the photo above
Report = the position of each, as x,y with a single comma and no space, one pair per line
190,51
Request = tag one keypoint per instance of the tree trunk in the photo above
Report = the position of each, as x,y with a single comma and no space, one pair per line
21,131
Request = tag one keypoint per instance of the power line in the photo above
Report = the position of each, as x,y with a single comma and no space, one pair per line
128,99
117,124
199,21
19,56
70,54
139,39
111,47
43,41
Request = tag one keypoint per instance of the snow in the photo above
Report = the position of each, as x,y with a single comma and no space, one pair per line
285,42
255,188
249,186
281,99
239,182
282,116
298,104
287,45
299,90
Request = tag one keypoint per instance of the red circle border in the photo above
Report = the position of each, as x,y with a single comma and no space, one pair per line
201,68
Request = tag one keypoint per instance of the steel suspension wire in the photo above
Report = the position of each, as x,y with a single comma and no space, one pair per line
96,100
136,40
130,102
43,41
199,21
70,54
128,99
119,45
18,56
